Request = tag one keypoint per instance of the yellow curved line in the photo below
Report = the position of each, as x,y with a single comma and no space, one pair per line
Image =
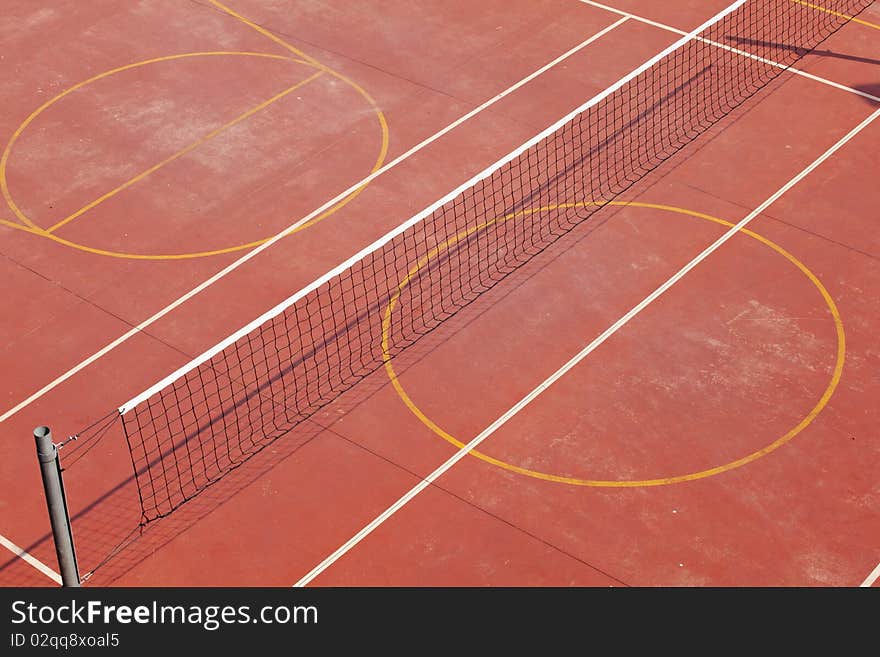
27,229
145,256
180,256
836,13
436,429
380,115
303,59
4,159
179,154
266,33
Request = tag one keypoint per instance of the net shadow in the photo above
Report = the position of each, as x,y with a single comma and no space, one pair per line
216,416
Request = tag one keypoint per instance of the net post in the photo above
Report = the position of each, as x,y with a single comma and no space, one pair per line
53,485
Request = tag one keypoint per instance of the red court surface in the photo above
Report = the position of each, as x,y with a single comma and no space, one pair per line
724,436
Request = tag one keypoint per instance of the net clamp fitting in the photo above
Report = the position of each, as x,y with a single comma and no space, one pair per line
64,442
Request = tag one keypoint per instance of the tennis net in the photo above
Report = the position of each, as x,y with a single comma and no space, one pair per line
213,414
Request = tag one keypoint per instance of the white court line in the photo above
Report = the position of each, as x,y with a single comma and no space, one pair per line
223,272
385,239
250,254
724,46
611,330
870,579
417,218
33,561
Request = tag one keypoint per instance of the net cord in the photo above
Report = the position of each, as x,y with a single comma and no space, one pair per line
417,218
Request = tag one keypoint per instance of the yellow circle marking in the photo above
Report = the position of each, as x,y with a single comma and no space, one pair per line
383,152
301,59
791,433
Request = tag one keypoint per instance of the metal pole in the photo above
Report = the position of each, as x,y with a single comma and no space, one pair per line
50,468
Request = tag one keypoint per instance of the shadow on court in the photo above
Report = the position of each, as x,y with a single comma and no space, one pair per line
109,535
799,51
873,89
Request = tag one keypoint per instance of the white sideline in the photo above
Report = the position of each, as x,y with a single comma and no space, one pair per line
213,279
147,322
281,307
485,434
461,453
870,579
33,561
